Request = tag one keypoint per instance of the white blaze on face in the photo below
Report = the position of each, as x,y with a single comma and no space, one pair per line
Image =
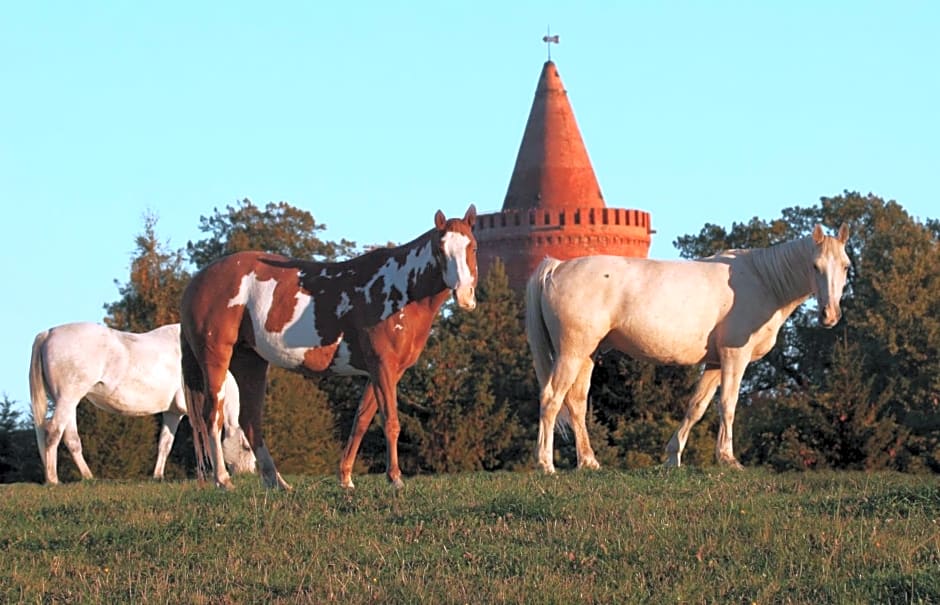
831,271
457,275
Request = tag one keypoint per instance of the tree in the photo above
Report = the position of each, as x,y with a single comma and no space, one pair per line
462,402
121,446
299,425
157,278
277,228
19,458
884,357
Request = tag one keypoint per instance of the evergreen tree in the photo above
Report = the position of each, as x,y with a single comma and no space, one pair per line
462,402
299,425
641,405
19,458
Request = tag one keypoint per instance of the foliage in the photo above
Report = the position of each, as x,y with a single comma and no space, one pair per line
118,446
157,278
299,425
115,446
685,536
867,394
19,459
462,402
277,228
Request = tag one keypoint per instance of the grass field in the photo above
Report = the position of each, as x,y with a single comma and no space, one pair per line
686,536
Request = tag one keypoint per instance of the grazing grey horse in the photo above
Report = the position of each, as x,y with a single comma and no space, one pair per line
120,372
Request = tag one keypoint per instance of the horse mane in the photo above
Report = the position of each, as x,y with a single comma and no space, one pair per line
782,267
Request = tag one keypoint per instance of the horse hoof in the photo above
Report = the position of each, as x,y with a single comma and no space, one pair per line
590,464
397,483
226,485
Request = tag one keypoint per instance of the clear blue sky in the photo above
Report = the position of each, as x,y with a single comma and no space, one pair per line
372,115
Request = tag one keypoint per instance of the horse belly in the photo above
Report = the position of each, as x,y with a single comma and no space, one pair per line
333,358
133,397
658,349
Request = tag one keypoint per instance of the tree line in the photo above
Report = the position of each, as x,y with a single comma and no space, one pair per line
864,395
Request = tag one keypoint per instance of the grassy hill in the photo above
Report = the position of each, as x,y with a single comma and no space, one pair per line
687,536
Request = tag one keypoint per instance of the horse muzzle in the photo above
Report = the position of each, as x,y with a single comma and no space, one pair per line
466,298
829,316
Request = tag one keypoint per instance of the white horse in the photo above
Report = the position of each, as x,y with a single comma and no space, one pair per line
120,372
723,311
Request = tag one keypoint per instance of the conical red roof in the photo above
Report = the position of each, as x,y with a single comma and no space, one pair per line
552,169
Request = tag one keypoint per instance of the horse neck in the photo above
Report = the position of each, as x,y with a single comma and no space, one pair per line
414,267
784,270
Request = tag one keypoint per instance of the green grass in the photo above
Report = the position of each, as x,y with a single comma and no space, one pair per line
607,537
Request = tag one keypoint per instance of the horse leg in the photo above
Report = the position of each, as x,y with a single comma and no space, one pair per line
214,419
698,403
386,386
576,403
237,451
74,445
364,415
251,373
54,427
171,421
564,374
732,369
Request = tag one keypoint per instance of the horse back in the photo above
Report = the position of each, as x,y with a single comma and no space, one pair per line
658,311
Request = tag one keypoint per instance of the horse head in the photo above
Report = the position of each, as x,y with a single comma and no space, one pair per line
830,269
456,251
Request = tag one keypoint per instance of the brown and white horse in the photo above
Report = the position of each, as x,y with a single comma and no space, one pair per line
723,311
368,316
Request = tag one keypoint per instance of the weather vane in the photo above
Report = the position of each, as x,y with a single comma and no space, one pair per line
548,39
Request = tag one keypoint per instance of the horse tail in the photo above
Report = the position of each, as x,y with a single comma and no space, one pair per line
38,394
540,342
195,394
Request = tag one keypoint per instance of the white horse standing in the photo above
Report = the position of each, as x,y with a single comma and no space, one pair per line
120,372
723,311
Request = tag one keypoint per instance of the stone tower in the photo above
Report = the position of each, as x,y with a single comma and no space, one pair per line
554,206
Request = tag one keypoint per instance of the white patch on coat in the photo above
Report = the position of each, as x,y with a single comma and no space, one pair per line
341,362
344,306
287,347
398,277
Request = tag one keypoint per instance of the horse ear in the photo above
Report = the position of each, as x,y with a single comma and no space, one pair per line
818,235
471,216
440,220
844,233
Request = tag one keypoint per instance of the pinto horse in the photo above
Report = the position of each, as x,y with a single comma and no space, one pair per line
368,316
121,372
723,311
